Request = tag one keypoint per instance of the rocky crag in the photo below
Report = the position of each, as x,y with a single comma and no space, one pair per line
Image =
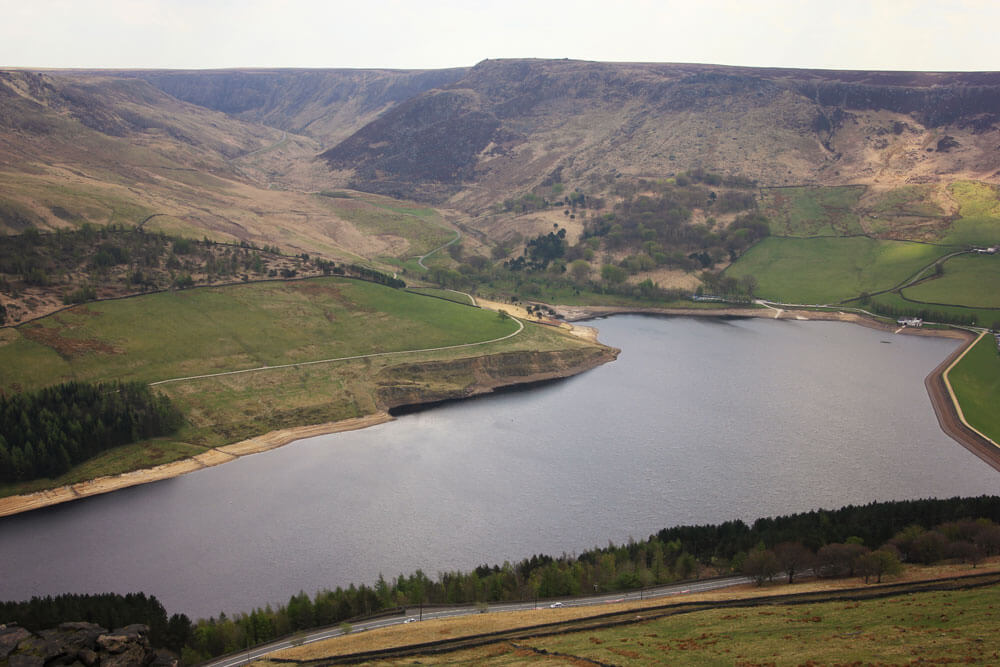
79,644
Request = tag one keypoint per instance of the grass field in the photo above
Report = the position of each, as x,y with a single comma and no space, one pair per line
828,270
212,330
979,208
450,295
944,627
968,280
813,211
976,382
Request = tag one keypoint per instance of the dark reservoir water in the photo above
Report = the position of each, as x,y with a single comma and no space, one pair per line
699,420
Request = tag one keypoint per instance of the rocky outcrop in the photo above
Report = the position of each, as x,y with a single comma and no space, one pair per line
79,644
436,381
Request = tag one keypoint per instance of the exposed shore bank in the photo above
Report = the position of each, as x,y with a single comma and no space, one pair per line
489,373
212,457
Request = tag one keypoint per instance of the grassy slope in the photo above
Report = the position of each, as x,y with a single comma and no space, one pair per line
826,270
968,280
979,208
976,381
947,626
218,329
210,330
424,228
813,211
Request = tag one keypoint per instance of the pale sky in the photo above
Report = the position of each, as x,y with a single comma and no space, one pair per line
942,35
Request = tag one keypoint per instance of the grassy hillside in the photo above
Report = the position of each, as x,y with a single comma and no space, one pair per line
968,280
192,332
828,270
976,381
944,627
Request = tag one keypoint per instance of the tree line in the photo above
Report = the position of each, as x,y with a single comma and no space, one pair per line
45,432
864,540
847,542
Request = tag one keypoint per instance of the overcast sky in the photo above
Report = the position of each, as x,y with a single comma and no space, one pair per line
842,34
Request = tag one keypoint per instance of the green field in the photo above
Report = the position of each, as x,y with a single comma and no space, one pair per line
450,295
828,270
976,382
813,211
968,280
939,628
212,330
979,208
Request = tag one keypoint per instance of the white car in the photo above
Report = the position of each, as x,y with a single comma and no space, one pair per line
410,620
556,605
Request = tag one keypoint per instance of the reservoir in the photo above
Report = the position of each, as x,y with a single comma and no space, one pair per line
700,420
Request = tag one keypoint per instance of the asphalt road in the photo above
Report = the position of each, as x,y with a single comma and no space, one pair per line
425,614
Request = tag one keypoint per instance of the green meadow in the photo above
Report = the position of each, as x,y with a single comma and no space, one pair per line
976,382
828,270
968,280
212,330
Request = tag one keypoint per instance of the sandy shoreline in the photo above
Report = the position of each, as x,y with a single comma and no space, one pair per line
213,457
941,396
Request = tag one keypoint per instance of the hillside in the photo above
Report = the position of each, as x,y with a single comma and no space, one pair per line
80,148
509,125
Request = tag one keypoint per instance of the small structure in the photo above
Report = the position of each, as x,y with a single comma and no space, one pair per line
910,322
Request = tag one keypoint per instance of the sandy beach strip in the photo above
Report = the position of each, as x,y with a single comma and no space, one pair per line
212,457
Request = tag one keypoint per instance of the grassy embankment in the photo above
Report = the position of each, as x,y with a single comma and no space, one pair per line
976,381
212,330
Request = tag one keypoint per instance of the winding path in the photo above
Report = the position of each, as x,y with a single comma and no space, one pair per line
520,328
420,260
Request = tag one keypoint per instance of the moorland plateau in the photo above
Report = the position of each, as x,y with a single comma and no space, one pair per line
540,185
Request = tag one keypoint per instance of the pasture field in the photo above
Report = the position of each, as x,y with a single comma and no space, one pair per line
828,270
976,382
211,330
450,295
813,211
968,280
